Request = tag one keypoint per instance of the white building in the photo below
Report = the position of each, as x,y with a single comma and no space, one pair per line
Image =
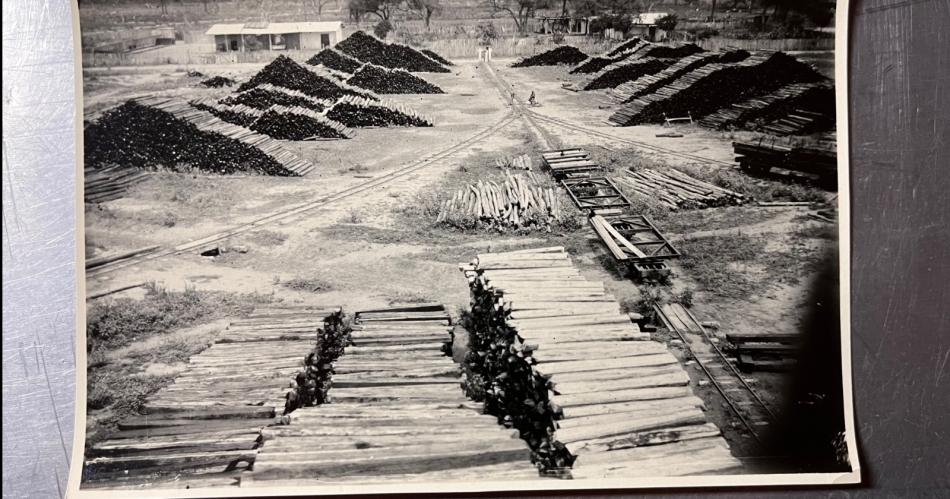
248,37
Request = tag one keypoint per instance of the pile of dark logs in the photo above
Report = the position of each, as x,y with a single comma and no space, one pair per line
595,64
238,114
391,81
711,87
109,183
667,52
160,133
627,71
266,95
436,57
647,84
299,123
562,55
311,385
521,201
335,59
357,112
218,81
367,48
284,72
774,106
626,46
677,190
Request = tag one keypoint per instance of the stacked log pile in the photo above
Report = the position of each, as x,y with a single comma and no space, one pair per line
667,52
109,183
157,132
391,81
626,46
266,95
218,82
356,112
299,123
627,71
522,162
562,55
762,155
677,190
803,121
597,64
367,48
774,106
285,72
436,57
238,114
521,201
334,59
556,358
711,87
647,84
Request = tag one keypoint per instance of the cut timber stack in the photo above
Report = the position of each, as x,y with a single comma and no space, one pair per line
561,55
357,112
285,72
109,183
627,71
774,106
803,121
677,190
395,414
334,59
556,356
367,48
299,123
761,156
205,428
266,95
711,87
647,84
160,132
521,201
391,81
237,114
522,162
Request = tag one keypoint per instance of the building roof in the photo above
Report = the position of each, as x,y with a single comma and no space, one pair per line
274,28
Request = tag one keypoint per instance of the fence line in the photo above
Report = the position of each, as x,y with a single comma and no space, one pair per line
781,44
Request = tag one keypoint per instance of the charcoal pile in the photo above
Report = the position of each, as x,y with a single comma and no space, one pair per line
299,123
648,84
436,57
521,201
266,95
626,46
667,52
218,82
562,55
239,114
284,72
367,48
157,133
677,190
627,72
335,59
109,183
711,87
774,106
391,81
356,112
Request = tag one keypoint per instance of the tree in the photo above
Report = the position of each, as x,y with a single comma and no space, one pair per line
382,29
383,9
319,4
667,22
521,11
425,9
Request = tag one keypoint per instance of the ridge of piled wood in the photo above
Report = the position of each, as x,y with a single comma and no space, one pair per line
265,95
436,57
762,155
367,48
334,59
668,52
677,190
285,72
218,82
713,86
802,121
628,71
775,106
628,45
357,112
383,80
554,355
299,123
109,183
238,114
649,83
154,132
521,201
566,54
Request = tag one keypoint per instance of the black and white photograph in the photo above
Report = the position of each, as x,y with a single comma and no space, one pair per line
365,246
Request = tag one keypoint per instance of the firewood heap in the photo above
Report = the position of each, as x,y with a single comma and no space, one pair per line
521,201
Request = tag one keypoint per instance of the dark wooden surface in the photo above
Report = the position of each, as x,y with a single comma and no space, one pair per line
899,73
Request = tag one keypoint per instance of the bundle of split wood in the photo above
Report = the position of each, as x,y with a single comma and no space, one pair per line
109,183
677,190
357,112
520,201
556,358
522,162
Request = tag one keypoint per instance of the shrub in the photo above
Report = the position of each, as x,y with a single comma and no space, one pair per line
382,29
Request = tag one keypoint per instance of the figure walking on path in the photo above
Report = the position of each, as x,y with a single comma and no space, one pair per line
531,100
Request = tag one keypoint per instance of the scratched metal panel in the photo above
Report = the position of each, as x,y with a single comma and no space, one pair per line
899,109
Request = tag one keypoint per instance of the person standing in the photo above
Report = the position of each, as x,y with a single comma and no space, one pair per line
488,53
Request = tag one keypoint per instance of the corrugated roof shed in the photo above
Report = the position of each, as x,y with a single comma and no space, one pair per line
274,28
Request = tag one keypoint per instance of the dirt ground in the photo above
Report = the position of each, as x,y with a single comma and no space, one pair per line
375,249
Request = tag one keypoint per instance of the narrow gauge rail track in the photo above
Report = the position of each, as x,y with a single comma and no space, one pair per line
305,207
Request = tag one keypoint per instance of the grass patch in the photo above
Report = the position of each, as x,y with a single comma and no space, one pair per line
311,284
266,238
401,297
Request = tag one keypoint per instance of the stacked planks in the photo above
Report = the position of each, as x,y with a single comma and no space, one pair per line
396,414
651,82
109,183
357,112
520,201
618,403
205,428
567,163
677,190
772,106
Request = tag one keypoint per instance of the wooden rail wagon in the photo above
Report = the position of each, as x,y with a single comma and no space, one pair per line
569,163
765,352
634,240
596,194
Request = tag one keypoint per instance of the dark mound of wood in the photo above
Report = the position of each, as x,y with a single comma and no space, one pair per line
335,60
284,72
436,57
218,82
753,113
137,135
627,72
623,47
593,65
665,52
266,95
647,84
195,74
561,55
356,112
391,81
818,159
240,115
298,124
368,49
